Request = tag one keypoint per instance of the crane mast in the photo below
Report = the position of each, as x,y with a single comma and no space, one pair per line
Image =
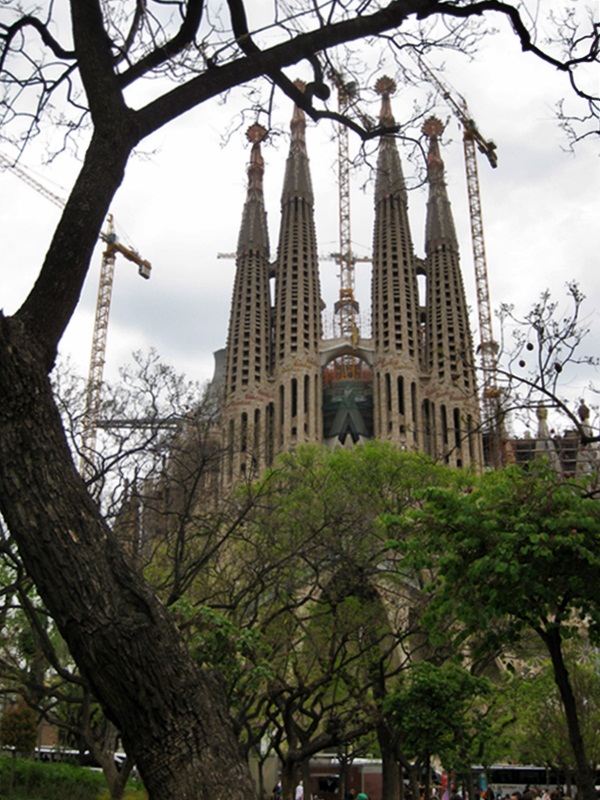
98,353
473,141
346,307
487,346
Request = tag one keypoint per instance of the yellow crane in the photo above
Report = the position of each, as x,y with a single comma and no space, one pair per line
103,300
98,353
488,348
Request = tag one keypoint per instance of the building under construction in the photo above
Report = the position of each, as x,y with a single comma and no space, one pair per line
411,382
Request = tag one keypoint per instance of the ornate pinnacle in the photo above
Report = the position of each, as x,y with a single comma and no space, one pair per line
298,124
256,134
386,87
433,128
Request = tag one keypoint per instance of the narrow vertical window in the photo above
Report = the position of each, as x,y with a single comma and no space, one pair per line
256,436
244,433
400,395
457,434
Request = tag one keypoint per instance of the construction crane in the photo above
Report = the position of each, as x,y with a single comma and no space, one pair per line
346,308
488,348
26,178
105,285
98,354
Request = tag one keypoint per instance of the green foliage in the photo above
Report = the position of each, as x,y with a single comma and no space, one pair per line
512,553
216,642
333,503
18,728
517,548
32,780
135,793
440,711
295,608
539,733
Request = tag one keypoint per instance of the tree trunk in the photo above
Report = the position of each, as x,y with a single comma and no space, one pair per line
471,790
289,778
306,779
585,776
390,773
173,715
414,777
116,785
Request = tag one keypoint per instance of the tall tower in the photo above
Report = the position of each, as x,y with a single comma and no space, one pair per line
248,391
297,320
412,383
449,409
394,296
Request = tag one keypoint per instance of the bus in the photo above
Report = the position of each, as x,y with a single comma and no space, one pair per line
510,778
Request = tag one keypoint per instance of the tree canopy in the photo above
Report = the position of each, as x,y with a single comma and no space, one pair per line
514,551
87,63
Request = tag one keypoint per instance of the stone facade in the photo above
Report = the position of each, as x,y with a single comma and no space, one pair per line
412,382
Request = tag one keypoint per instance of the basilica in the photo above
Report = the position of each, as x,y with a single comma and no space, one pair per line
280,382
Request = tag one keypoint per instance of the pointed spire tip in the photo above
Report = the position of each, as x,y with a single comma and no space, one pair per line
433,127
256,133
385,86
298,124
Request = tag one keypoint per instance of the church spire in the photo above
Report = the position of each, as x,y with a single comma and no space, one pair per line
297,182
440,225
253,231
448,346
394,292
297,318
389,179
545,446
248,360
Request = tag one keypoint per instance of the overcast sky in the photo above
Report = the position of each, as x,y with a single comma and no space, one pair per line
181,205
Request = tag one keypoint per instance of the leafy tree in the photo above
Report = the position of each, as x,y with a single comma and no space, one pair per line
512,552
271,577
19,727
18,730
123,639
540,734
309,570
441,711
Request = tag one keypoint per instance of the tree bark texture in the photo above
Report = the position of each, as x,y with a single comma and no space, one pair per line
53,298
173,715
390,774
